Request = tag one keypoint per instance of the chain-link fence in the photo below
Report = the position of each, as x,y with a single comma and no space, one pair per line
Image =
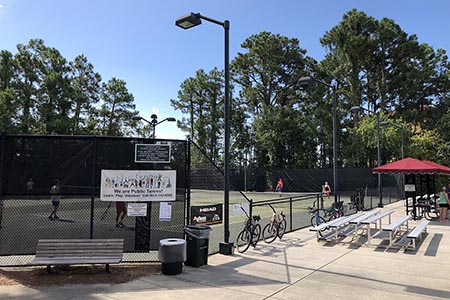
32,165
29,166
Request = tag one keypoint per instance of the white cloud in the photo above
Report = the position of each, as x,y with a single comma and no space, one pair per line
1,6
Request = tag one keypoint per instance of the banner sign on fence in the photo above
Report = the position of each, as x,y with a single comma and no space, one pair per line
152,153
206,214
137,209
138,185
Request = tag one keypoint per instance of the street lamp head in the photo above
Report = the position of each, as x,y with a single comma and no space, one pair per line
386,123
354,109
136,118
171,119
154,117
305,80
188,21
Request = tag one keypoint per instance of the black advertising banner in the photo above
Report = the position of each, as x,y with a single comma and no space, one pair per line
206,214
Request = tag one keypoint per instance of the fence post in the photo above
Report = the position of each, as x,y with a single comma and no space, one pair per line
188,181
94,163
2,157
291,213
321,201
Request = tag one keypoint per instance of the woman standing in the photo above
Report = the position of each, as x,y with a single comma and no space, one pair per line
444,204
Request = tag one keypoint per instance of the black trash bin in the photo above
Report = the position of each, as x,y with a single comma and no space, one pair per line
197,237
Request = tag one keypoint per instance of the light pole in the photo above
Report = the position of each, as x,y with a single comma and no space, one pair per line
386,123
307,80
153,122
188,21
380,188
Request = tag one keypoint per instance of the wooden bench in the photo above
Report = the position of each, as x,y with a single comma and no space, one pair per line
413,235
81,251
391,230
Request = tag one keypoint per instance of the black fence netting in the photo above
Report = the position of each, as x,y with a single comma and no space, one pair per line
32,165
294,180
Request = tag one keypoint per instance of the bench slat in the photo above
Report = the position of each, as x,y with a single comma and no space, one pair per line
365,216
414,234
345,220
377,217
394,225
76,260
78,254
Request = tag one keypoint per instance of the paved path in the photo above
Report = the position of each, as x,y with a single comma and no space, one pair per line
298,267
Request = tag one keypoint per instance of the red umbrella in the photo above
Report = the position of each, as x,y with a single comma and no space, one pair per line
412,166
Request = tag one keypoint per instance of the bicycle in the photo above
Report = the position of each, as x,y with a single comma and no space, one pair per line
250,234
325,215
357,201
427,208
275,228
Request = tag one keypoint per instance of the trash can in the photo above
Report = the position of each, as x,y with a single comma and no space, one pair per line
172,254
197,238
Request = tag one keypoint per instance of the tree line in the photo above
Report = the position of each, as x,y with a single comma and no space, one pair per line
275,121
43,93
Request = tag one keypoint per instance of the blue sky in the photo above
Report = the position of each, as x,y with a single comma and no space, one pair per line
137,40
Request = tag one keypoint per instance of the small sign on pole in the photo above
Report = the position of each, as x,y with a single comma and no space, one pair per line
137,209
152,153
410,188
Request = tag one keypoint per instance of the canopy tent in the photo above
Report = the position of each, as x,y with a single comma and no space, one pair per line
438,165
412,166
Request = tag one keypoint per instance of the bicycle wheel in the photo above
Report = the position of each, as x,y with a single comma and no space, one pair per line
281,228
316,221
243,240
432,215
256,234
270,232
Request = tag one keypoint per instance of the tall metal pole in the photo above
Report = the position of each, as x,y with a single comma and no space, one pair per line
380,189
187,22
403,157
226,26
335,178
403,149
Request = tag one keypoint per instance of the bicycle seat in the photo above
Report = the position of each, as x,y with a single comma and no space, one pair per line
256,218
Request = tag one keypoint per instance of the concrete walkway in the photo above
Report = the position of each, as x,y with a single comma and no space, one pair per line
298,267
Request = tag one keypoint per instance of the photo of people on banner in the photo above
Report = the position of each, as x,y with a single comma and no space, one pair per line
206,215
138,185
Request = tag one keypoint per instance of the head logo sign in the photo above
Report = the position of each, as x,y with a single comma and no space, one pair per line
207,214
